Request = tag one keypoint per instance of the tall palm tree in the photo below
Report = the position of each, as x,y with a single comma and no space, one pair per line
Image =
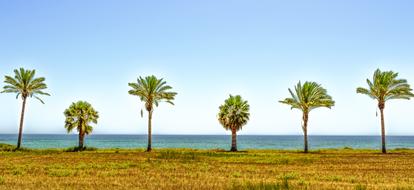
79,116
151,91
385,86
25,85
233,115
307,97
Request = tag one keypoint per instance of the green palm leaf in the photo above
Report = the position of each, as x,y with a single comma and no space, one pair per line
308,96
151,91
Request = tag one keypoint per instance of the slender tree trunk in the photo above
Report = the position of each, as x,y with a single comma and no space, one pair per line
233,140
381,107
149,148
305,131
81,137
19,140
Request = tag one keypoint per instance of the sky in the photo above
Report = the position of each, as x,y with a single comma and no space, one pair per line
90,50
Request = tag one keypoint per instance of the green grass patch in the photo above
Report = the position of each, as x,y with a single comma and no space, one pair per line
60,173
12,148
265,186
77,149
174,155
360,187
2,180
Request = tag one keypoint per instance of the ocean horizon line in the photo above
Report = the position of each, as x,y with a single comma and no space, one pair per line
143,134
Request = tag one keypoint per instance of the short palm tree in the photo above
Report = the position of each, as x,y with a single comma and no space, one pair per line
307,97
25,85
79,116
233,115
151,91
385,86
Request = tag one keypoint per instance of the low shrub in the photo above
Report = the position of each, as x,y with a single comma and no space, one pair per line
77,149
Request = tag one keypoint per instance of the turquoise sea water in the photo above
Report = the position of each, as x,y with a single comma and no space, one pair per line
209,141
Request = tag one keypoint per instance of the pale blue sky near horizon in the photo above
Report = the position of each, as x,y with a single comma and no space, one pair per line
90,50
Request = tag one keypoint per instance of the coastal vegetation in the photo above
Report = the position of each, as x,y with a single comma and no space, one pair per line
24,85
94,168
306,98
205,169
152,91
386,86
79,116
233,115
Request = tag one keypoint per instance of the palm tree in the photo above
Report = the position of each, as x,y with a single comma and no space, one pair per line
307,97
79,115
385,86
25,85
233,115
151,91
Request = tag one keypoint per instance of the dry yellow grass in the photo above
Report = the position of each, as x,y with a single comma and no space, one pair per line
199,169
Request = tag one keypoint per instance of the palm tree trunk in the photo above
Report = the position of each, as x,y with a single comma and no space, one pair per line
81,137
19,140
233,140
305,131
149,148
381,107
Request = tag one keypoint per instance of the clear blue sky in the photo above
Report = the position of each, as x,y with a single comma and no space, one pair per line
90,50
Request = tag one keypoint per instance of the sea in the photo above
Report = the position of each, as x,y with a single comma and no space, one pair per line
245,142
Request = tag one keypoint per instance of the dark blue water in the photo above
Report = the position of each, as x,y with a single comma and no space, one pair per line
210,141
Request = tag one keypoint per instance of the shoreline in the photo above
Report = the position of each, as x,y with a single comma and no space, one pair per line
204,142
10,148
265,135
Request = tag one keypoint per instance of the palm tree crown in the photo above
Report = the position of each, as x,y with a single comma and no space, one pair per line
25,84
385,86
309,96
234,113
152,91
79,116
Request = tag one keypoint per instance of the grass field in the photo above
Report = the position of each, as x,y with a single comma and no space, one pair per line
201,169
